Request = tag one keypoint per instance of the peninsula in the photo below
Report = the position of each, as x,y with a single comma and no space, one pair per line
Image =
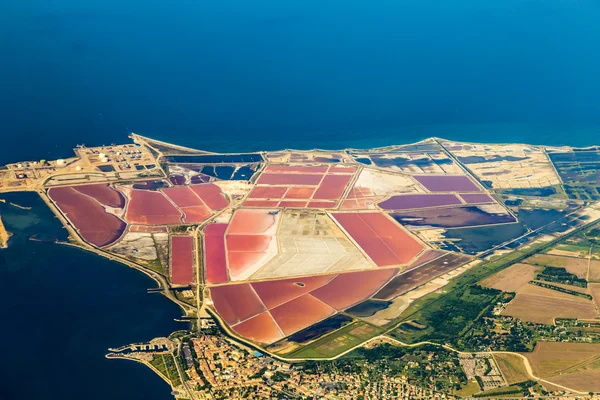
436,269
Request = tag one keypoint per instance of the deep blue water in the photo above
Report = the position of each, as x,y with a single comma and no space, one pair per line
247,75
62,308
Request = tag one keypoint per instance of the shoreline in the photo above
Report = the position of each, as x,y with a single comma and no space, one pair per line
4,235
193,311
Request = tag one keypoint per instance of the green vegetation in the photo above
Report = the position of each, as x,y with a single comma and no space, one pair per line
502,334
472,276
561,289
445,304
165,364
583,242
560,275
182,229
338,341
154,265
593,235
388,360
518,389
469,389
446,321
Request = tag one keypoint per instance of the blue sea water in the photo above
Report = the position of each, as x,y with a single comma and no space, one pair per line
61,308
230,75
249,75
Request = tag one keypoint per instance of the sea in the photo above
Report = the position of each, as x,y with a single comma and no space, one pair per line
231,76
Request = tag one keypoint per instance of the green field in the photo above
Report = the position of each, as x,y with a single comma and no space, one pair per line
446,320
516,390
470,389
165,364
442,304
337,342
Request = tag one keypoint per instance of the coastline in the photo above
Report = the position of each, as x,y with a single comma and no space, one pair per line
162,282
4,235
81,244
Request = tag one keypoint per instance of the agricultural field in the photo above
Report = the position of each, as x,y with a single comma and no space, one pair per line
512,279
512,367
594,289
576,266
541,305
337,342
574,365
540,297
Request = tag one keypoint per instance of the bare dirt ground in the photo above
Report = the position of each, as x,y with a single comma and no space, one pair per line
512,367
594,275
594,289
575,365
537,304
385,183
311,243
511,279
507,166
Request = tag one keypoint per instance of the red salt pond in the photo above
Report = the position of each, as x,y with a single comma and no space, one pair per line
410,201
256,243
182,260
151,208
261,203
447,183
183,196
267,192
275,293
215,261
332,187
299,193
297,169
103,193
93,223
261,328
342,170
195,214
476,198
236,303
242,264
300,313
349,289
382,239
359,192
358,204
253,222
322,204
289,179
211,194
293,204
